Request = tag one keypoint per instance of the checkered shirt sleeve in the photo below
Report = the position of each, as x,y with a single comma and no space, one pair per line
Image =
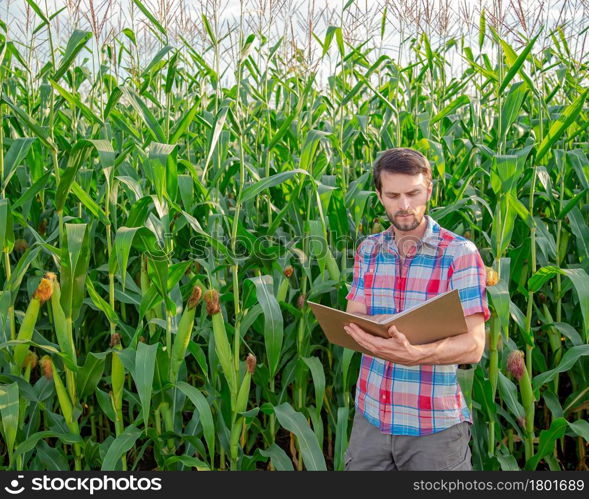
468,275
356,292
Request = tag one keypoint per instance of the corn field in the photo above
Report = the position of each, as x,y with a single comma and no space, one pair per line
163,222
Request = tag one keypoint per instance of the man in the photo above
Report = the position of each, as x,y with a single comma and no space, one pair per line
410,411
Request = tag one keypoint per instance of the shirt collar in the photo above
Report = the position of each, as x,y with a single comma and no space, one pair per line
431,236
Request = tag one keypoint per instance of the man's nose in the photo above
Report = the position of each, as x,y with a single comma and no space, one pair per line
404,203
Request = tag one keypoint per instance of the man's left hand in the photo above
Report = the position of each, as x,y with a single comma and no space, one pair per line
395,349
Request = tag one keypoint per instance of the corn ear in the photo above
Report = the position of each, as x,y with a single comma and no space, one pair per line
243,395
282,289
244,389
26,331
184,333
42,294
65,403
66,343
332,266
223,351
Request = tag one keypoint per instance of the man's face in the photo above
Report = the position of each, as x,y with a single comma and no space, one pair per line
404,198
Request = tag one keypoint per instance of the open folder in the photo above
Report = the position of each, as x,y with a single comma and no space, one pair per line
432,320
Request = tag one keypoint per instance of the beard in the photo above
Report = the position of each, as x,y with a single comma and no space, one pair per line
405,224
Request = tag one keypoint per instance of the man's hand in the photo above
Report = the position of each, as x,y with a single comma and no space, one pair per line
395,349
460,349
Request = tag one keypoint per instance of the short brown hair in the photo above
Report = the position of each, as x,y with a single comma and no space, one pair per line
401,160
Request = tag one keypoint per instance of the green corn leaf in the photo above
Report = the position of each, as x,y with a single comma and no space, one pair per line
310,146
76,103
482,28
273,321
341,438
100,303
149,119
279,458
16,153
6,227
41,132
465,379
457,103
123,241
75,44
209,29
156,59
318,375
89,203
547,440
105,404
214,136
482,393
89,374
28,257
580,280
254,190
517,65
296,423
32,191
75,256
189,461
77,156
511,108
112,101
171,73
568,360
51,458
581,231
158,273
143,375
9,411
566,119
508,392
204,414
38,11
147,13
183,123
572,203
580,428
163,162
119,447
31,442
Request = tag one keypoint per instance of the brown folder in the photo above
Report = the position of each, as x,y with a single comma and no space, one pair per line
432,320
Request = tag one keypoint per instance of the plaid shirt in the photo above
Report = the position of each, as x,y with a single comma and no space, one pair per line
423,399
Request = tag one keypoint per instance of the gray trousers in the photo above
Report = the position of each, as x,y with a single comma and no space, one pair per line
371,450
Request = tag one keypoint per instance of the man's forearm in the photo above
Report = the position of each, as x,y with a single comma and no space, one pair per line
461,349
